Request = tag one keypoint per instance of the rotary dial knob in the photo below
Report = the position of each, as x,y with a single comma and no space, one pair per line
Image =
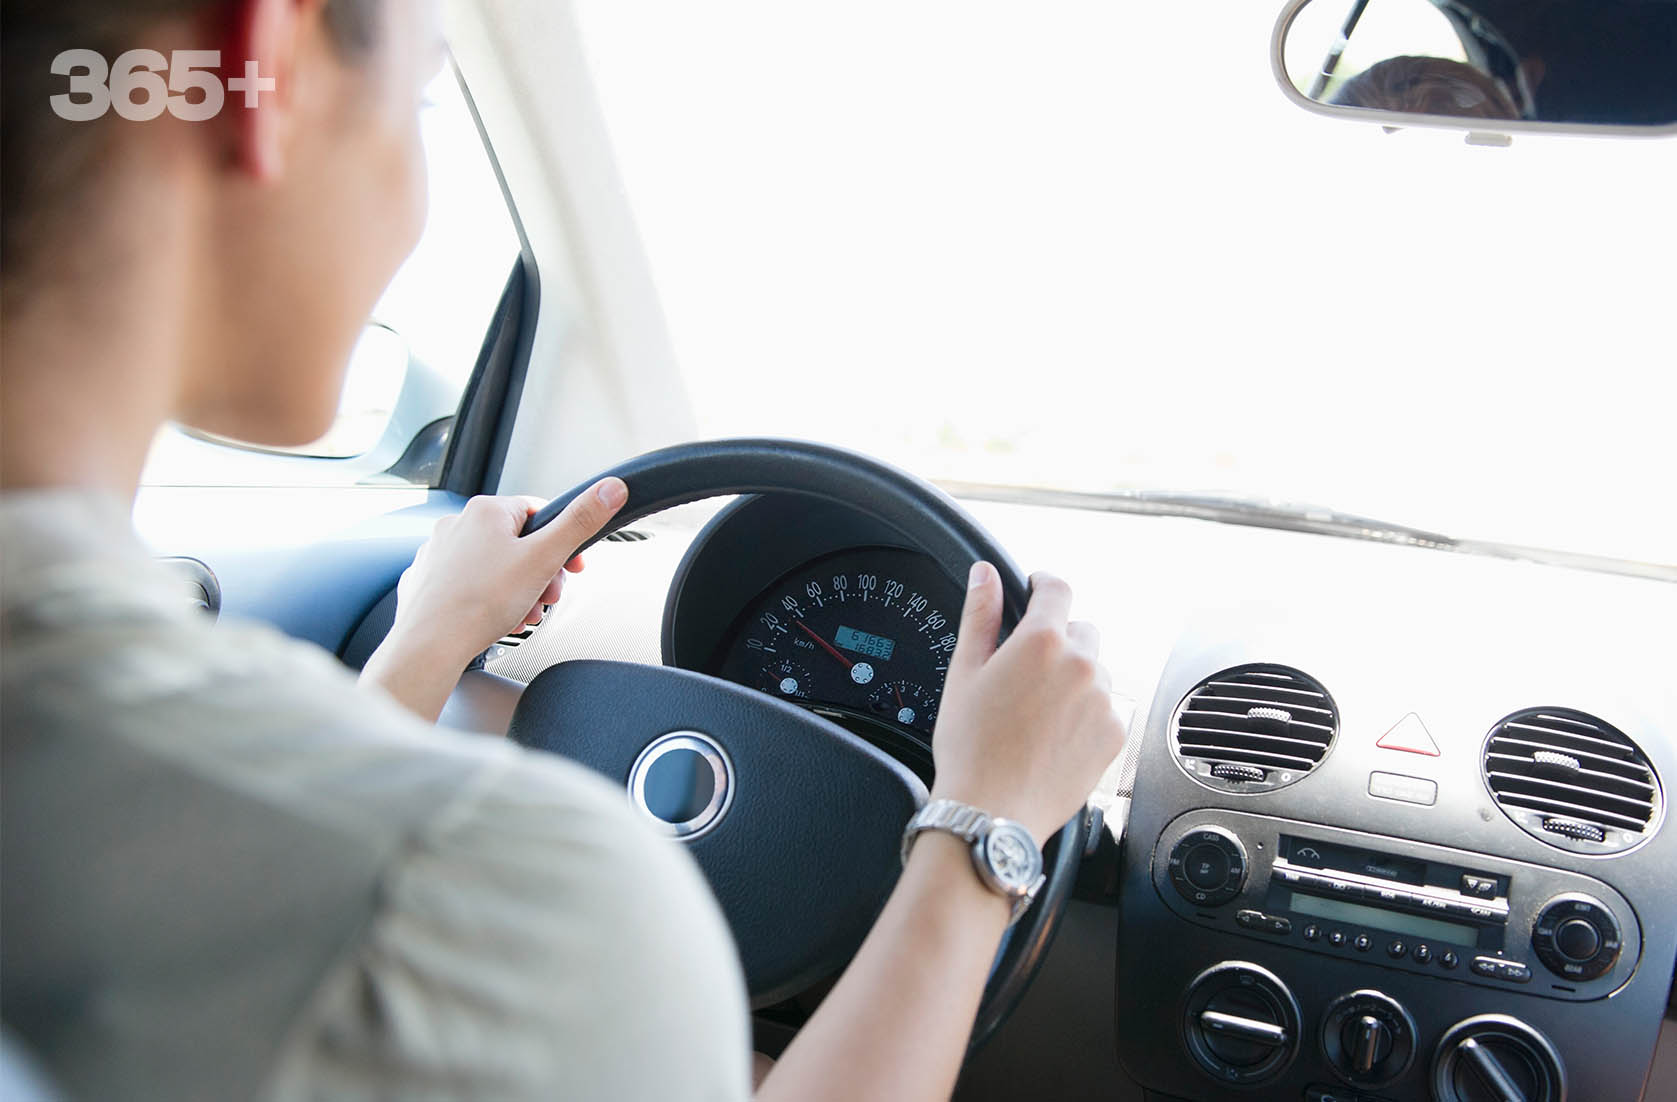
1368,1038
1240,1023
1576,936
1495,1058
1208,866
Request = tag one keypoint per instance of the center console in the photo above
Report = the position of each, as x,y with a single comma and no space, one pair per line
1314,909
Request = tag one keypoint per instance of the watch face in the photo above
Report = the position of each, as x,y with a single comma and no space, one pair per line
1013,856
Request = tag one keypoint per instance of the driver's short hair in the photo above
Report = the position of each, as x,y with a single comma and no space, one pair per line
45,161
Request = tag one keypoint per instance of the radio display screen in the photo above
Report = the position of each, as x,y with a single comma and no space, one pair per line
1418,926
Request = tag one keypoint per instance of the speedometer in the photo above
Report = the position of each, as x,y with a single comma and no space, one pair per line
867,631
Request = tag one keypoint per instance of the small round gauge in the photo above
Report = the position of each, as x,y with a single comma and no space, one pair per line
906,702
851,633
784,677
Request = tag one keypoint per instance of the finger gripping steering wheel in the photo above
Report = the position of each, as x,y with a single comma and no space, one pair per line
794,820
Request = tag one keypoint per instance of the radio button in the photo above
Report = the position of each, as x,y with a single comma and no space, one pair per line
1496,968
1577,937
1422,953
1206,866
1388,897
1362,943
1269,924
1480,887
1341,889
1474,912
1337,938
1312,932
1397,950
1448,959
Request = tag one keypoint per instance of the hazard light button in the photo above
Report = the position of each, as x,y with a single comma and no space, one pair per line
1409,735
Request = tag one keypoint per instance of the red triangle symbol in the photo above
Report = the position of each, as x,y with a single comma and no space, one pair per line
1409,735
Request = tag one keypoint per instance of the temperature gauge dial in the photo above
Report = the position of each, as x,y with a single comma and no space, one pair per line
906,702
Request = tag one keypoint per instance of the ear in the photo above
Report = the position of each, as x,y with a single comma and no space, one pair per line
263,54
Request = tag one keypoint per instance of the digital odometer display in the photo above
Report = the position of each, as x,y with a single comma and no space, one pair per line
874,646
867,632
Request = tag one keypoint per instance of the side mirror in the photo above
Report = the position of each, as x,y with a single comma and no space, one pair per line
1496,65
378,368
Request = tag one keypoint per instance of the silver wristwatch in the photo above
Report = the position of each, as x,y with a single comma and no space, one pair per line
1004,854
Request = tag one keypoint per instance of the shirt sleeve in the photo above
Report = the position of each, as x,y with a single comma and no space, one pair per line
535,940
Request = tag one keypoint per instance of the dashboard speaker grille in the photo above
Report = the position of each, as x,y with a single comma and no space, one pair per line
1572,780
1254,728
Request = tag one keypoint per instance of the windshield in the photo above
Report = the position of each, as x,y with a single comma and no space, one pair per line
1092,246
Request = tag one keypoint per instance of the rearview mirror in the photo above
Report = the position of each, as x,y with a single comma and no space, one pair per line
1496,65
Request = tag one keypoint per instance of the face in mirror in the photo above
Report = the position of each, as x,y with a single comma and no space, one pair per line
1563,63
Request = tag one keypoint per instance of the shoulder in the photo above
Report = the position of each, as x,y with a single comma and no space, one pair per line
521,931
536,939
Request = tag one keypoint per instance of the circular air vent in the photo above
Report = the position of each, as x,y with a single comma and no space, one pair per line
1254,728
1572,780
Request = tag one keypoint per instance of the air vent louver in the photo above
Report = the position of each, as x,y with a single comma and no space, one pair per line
1254,728
1572,780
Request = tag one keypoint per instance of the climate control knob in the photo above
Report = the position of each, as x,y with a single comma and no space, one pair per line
1576,936
1368,1038
1240,1023
1208,866
1495,1058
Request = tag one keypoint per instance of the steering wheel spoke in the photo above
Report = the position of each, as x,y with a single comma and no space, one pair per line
795,821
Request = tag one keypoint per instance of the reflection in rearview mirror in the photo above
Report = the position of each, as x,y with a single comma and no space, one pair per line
1551,64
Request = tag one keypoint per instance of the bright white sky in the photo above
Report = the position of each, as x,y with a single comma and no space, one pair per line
1091,245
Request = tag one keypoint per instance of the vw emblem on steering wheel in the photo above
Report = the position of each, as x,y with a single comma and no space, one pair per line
684,782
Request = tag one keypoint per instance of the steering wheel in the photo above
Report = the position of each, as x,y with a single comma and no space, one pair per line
795,821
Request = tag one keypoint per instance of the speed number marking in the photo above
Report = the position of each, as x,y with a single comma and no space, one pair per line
863,588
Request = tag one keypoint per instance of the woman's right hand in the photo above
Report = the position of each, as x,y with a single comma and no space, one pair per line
1026,728
1024,733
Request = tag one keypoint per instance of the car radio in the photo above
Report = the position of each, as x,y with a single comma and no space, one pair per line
1402,904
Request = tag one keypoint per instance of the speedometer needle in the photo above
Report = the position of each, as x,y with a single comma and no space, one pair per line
826,646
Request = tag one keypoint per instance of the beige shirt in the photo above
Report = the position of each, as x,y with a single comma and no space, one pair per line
227,871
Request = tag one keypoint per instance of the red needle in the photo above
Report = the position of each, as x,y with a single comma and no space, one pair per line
899,693
826,646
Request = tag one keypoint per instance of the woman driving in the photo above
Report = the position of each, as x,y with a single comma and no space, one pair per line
230,869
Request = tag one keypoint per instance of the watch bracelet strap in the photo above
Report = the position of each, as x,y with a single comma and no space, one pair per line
964,821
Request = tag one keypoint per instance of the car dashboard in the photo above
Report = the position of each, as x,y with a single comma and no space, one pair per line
1390,823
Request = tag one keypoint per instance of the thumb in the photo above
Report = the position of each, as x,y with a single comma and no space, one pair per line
981,621
580,521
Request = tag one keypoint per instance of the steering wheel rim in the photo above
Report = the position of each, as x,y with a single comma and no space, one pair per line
927,519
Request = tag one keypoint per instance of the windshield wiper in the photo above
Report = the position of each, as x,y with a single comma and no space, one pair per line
1291,517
